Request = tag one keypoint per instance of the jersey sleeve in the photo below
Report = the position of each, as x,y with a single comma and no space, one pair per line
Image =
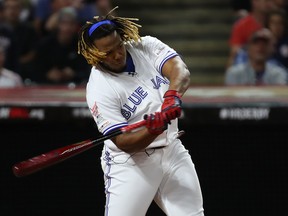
104,107
158,52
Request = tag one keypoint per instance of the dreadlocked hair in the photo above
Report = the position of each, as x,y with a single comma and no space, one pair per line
127,29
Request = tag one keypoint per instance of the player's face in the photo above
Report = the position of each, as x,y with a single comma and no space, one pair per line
115,50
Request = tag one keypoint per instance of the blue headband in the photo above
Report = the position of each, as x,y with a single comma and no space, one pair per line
96,25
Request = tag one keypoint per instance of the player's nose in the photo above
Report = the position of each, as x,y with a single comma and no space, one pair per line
118,55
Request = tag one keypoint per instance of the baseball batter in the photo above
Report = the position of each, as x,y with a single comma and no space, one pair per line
133,78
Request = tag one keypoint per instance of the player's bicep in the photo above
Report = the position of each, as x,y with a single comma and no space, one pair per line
159,53
176,71
174,66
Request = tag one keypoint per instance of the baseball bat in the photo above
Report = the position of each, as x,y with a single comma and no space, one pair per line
55,156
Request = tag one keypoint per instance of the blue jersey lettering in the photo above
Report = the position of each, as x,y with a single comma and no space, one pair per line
158,81
136,99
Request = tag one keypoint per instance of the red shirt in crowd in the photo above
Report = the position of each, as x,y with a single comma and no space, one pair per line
243,29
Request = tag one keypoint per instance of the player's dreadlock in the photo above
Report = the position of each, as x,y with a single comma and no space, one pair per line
127,29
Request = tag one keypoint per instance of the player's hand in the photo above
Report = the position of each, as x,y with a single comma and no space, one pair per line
156,123
171,106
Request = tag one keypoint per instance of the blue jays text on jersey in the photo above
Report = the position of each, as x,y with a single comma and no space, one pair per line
138,96
158,81
135,98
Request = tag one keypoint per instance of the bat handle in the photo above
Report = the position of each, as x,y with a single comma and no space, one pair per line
133,126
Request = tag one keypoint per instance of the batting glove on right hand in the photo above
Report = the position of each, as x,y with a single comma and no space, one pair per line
171,106
156,123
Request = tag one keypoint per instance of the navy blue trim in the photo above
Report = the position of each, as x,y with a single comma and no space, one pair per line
114,127
130,67
165,60
108,184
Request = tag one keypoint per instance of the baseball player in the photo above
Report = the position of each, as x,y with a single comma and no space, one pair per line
133,78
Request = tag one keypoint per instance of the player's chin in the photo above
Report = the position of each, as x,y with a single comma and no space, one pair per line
119,68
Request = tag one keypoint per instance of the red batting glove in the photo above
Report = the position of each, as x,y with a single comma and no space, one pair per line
156,123
171,106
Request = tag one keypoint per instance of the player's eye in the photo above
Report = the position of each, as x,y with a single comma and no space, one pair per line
109,52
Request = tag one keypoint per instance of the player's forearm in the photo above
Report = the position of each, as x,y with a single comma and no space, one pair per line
180,80
178,74
134,141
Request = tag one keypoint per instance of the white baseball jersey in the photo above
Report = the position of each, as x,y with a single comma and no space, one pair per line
166,175
116,100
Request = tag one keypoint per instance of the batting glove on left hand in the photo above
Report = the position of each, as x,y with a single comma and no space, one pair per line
171,106
156,123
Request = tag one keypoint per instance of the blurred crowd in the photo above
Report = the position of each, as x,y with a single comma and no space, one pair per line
258,43
38,41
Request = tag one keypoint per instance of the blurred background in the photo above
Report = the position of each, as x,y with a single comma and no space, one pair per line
198,30
236,128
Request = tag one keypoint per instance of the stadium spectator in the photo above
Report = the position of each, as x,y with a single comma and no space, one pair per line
56,60
1,11
23,32
277,23
257,71
47,12
243,28
8,42
8,78
27,12
87,9
281,5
